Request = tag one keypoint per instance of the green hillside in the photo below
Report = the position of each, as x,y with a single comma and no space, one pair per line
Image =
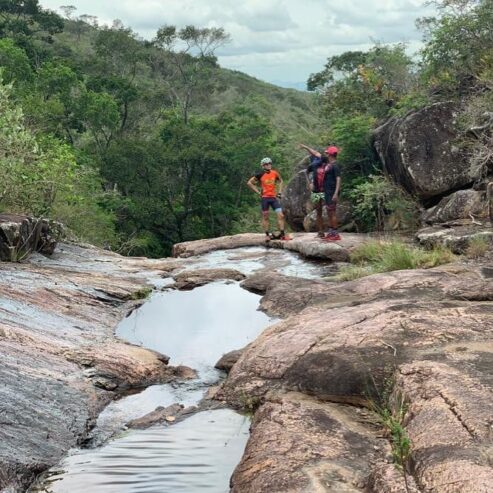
138,144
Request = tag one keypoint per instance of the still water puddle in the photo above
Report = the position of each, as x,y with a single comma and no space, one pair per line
196,455
194,328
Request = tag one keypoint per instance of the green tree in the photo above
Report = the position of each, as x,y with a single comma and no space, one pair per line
39,175
364,82
191,60
459,44
29,25
14,62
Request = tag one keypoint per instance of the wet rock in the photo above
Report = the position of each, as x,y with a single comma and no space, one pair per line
228,360
337,350
420,154
60,361
120,366
306,244
300,444
199,247
285,295
455,236
22,235
195,278
169,414
449,424
463,204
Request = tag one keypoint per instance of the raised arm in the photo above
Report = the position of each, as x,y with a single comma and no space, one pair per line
313,152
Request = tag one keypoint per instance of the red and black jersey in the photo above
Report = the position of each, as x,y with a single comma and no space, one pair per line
267,180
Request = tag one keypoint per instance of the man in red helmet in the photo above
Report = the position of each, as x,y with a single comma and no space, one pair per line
331,186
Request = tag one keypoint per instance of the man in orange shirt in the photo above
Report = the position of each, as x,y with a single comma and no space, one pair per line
268,178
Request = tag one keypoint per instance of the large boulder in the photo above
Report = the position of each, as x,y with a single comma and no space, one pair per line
296,198
343,214
420,153
455,236
22,235
425,333
458,205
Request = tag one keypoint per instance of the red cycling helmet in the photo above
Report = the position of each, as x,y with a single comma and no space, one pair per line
332,151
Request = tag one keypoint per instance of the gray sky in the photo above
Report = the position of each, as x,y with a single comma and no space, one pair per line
279,41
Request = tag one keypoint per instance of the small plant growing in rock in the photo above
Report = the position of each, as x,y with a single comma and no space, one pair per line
141,294
250,403
391,408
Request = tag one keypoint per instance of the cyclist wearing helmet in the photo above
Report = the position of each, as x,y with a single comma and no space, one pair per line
268,178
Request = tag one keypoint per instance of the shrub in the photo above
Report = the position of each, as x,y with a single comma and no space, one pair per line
380,205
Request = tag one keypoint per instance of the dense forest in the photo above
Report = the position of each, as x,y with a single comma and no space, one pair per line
138,144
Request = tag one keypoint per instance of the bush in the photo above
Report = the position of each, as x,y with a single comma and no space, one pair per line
381,205
477,247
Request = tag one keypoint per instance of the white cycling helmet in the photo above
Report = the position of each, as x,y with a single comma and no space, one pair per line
266,160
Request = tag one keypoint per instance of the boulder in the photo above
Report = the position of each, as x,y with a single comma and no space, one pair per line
343,214
189,280
22,235
456,236
301,444
227,361
458,205
419,152
427,332
296,198
306,244
162,415
449,424
340,350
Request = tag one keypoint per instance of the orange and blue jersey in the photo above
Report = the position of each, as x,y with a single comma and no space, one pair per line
268,180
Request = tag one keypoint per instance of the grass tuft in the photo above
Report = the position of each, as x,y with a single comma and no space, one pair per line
385,256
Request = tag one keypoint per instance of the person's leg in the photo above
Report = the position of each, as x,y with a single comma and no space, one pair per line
265,216
331,213
332,219
280,220
276,205
320,219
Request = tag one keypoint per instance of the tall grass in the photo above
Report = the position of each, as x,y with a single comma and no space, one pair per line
381,256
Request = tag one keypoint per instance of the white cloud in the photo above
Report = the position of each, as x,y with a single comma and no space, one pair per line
272,39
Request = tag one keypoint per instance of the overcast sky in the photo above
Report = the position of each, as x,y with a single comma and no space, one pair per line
279,41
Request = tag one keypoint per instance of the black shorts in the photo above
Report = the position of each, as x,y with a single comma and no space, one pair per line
270,202
331,206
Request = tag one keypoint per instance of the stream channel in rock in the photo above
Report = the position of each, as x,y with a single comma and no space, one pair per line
194,328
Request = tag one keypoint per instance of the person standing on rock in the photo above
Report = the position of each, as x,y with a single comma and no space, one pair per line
331,186
269,179
315,180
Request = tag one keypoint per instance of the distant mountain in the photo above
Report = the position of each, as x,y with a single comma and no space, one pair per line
300,86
